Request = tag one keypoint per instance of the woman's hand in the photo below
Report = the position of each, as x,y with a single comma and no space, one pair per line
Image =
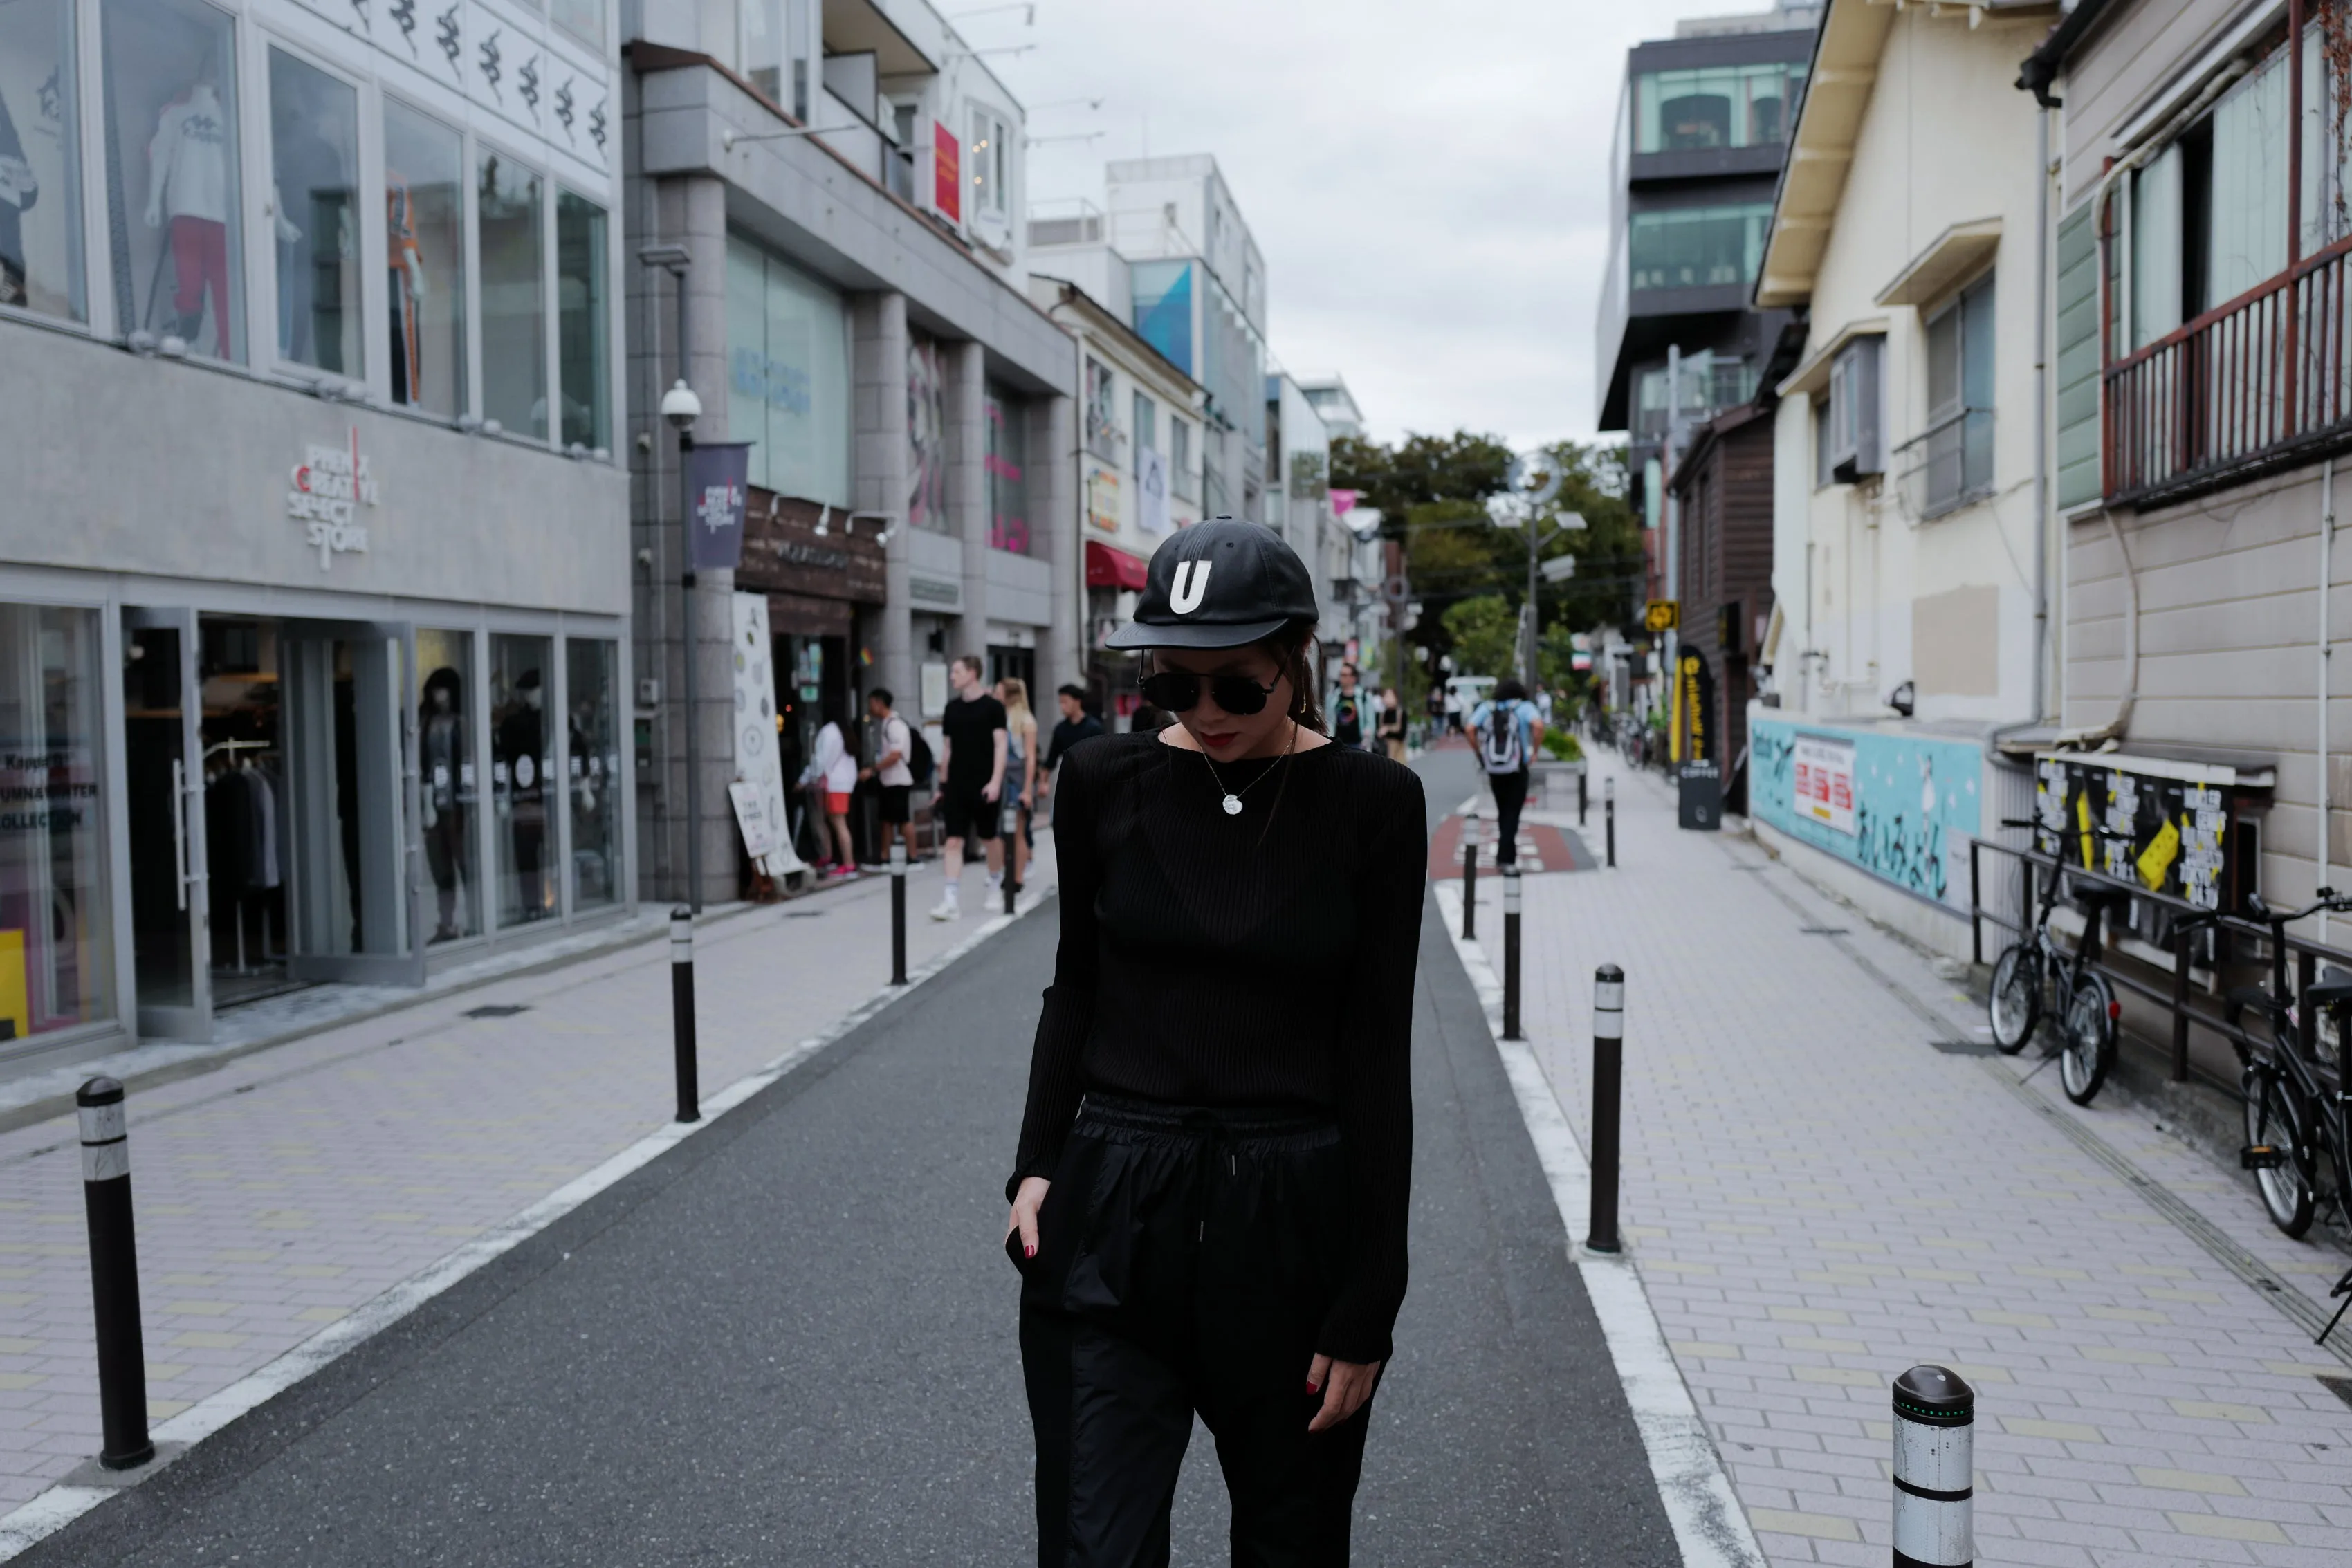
1344,1384
1026,1202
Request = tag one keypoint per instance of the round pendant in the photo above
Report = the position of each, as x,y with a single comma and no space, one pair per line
1232,805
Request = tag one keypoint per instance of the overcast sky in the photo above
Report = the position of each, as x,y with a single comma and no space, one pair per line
1428,183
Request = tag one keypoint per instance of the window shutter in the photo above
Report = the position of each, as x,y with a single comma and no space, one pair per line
2077,359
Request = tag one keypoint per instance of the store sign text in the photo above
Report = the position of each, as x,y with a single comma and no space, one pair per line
325,494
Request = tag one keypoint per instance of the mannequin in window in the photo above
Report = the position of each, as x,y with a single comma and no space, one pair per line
407,288
442,729
522,735
18,192
188,185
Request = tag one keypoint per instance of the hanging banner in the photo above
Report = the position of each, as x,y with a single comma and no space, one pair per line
1151,490
947,176
758,790
715,477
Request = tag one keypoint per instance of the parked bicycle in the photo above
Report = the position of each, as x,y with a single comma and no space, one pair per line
2297,1141
2035,971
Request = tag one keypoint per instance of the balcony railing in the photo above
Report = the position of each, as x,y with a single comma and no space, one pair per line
1949,464
2252,384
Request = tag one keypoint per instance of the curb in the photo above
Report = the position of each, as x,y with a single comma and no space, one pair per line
61,1504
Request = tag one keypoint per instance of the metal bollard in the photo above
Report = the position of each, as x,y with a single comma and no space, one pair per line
899,912
681,1001
1511,953
113,1275
1608,1089
1469,878
1583,794
1935,1477
1008,830
1609,812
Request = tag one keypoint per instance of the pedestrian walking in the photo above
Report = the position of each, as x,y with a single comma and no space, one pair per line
893,772
1507,732
1210,1194
1351,711
971,758
1019,771
1453,711
1077,724
1390,729
832,777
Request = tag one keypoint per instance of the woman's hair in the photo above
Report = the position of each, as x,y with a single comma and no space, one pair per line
1016,702
1293,649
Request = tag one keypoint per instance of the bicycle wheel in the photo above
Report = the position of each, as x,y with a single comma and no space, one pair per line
2015,1002
2276,1117
2090,1047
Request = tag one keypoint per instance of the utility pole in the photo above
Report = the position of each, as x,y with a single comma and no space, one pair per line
680,408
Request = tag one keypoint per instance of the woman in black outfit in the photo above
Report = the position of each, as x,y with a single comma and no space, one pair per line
1208,1196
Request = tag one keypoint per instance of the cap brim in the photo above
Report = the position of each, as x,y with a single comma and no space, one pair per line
1193,634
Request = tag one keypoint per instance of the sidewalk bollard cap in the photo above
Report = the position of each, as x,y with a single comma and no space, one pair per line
100,1091
680,912
1609,975
1935,1397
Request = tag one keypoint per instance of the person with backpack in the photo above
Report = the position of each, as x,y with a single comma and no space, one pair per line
1507,732
893,771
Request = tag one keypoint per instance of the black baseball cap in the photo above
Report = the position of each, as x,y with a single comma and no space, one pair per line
1219,584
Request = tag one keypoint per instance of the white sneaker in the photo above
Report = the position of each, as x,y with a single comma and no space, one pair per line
946,909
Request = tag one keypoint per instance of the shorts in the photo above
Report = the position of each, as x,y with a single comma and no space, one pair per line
969,813
895,807
836,805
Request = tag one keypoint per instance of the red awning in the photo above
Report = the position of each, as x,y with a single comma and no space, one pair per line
1109,567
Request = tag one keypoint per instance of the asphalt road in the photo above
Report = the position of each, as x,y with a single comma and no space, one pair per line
791,1340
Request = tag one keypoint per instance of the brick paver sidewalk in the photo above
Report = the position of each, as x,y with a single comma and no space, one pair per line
1817,1199
278,1194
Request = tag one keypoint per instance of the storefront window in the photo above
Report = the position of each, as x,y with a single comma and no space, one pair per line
314,202
171,163
1007,460
927,437
522,755
591,668
424,220
514,298
581,309
40,163
55,958
448,780
788,376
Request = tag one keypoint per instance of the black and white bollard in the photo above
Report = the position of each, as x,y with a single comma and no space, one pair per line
681,1001
1511,953
1608,1090
1609,816
1469,878
113,1275
1584,793
898,910
1009,831
1935,1479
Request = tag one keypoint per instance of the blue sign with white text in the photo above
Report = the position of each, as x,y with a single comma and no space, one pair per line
1901,807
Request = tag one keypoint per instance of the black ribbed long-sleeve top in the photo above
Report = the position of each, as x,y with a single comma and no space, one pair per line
1262,959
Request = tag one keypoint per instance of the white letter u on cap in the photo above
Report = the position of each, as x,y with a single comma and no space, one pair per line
1191,582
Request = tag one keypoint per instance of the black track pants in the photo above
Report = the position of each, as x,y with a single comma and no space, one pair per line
1185,1262
1510,798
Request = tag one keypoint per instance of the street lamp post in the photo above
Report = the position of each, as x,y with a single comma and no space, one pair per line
680,408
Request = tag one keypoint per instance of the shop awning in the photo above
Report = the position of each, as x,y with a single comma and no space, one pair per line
1109,567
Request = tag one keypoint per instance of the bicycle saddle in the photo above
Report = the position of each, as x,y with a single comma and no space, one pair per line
2092,895
2333,992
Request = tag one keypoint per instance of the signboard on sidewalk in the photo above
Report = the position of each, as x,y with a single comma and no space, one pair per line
1897,804
758,790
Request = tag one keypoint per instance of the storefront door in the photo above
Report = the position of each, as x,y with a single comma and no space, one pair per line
357,870
165,768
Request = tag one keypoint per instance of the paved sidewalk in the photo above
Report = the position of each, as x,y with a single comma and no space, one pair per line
281,1192
1817,1199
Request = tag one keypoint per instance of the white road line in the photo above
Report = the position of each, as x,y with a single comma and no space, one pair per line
60,1505
1709,1523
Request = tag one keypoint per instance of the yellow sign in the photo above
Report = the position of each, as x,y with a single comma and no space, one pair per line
1102,500
1663,615
2158,858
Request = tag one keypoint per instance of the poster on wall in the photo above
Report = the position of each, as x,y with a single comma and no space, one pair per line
2168,831
759,767
927,437
1102,500
1151,491
1900,806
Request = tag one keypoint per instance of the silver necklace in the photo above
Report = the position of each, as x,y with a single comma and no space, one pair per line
1233,798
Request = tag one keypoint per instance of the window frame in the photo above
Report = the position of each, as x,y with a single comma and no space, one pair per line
90,246
1960,313
477,148
367,175
468,241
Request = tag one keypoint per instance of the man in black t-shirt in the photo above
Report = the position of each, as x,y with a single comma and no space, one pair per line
971,779
1351,711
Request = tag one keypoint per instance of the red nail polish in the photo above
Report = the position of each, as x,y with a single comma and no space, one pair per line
1028,1251
1314,1388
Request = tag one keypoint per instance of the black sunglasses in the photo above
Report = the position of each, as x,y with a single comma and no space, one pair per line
1179,691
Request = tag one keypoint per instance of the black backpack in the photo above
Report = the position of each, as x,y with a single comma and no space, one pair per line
919,757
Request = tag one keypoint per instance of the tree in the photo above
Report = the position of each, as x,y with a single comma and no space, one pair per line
1485,632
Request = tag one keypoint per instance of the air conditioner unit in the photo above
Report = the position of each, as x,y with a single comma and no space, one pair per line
1856,448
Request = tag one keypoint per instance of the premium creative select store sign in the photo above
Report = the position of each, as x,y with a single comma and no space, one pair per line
329,493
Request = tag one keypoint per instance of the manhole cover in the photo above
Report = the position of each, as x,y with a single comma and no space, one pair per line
1965,1047
495,1011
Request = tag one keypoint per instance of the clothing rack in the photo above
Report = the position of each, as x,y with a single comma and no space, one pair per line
244,966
